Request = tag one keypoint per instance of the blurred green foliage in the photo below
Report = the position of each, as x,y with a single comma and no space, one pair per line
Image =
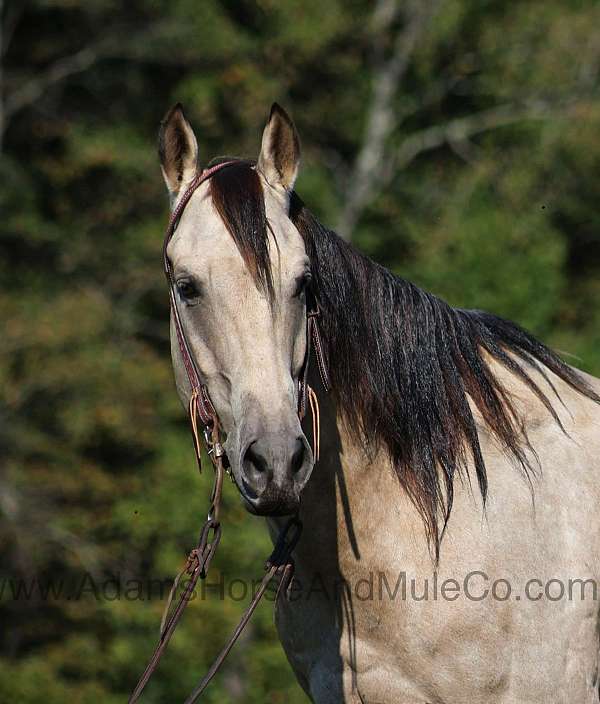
97,472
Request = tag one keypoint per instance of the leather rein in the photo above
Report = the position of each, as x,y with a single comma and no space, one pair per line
205,424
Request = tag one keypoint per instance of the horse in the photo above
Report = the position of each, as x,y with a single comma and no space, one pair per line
451,541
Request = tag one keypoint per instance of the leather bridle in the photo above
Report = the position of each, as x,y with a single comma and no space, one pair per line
205,423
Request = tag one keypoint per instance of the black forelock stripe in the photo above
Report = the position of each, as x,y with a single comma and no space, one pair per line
237,194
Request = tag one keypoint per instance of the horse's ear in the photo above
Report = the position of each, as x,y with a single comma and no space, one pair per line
280,150
178,150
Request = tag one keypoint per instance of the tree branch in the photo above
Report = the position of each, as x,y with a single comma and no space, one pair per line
34,88
458,132
381,119
58,71
461,129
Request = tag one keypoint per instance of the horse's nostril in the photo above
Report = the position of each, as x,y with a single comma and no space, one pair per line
298,456
274,460
255,460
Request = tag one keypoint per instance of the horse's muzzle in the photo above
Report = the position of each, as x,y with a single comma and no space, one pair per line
273,470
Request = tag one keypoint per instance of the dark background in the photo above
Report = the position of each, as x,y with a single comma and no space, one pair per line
456,142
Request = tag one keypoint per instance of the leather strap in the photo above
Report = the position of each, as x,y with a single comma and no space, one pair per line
197,565
204,407
279,563
313,340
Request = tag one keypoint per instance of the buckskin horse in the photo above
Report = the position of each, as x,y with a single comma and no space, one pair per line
451,541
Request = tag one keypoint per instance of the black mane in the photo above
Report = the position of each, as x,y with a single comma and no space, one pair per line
403,362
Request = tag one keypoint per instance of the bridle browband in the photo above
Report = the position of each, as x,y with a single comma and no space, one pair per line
203,416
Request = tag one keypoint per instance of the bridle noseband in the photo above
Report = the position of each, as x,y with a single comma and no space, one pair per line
205,424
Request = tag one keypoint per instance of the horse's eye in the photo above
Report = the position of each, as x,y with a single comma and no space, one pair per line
186,289
301,284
